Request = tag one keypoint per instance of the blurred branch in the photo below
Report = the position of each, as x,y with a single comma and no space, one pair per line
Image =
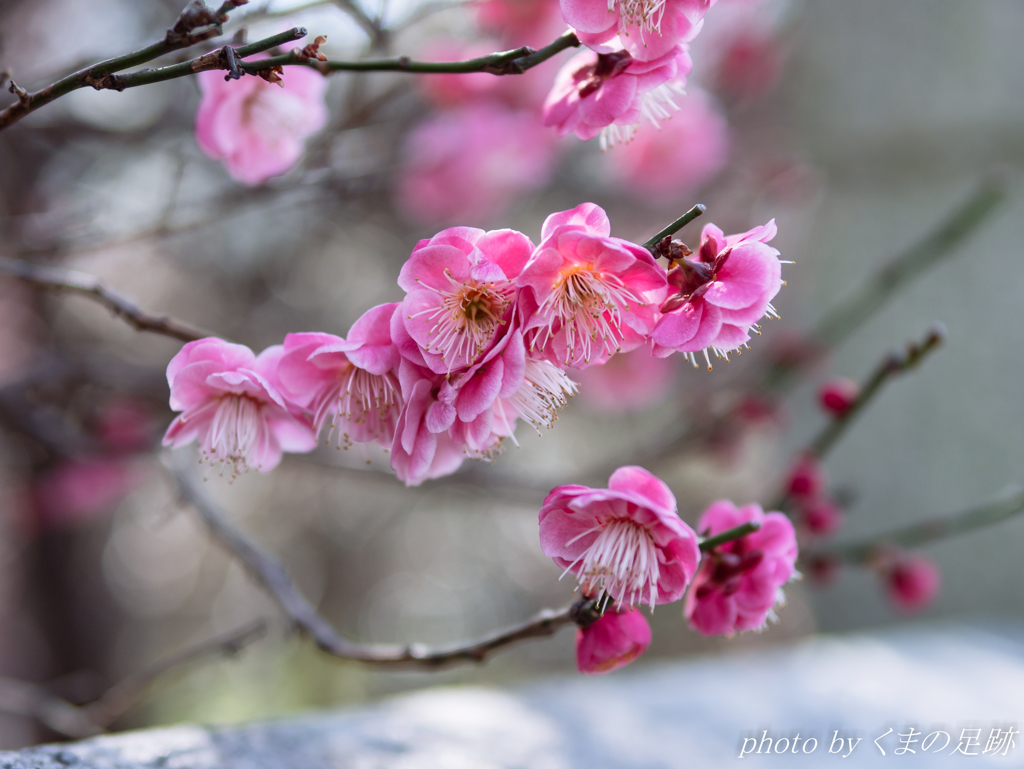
274,578
729,535
937,245
927,531
121,697
55,279
894,364
194,25
428,9
35,701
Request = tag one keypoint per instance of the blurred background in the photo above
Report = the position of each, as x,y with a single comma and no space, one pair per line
857,126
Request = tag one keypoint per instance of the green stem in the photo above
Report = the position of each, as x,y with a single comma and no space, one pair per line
931,530
729,535
677,225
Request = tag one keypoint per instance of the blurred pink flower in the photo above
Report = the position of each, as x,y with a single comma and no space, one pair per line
807,479
256,128
749,65
822,517
683,154
645,28
231,406
352,382
629,381
615,640
740,582
471,163
526,91
586,295
80,490
838,394
721,293
125,424
607,94
627,540
913,581
521,22
460,293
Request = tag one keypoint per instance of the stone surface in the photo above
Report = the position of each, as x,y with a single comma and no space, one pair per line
692,714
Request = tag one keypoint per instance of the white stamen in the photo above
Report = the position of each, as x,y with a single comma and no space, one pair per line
235,432
544,392
622,561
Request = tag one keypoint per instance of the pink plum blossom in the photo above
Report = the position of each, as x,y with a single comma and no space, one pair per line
586,295
664,166
721,294
231,406
471,163
626,541
647,29
628,382
353,382
740,582
257,128
460,293
617,638
420,452
607,94
912,581
822,516
838,394
807,479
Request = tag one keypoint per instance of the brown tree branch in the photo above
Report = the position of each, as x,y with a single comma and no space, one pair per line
194,25
274,578
55,279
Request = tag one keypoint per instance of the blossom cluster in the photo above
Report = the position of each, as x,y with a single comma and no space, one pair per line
489,325
627,545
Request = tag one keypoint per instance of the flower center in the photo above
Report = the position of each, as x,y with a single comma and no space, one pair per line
587,305
466,319
622,561
235,431
645,14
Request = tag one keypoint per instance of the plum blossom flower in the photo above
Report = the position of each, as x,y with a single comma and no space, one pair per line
471,163
257,128
231,406
807,479
626,541
460,293
645,28
617,638
662,167
586,295
912,581
351,383
721,294
607,94
420,452
740,582
821,516
628,382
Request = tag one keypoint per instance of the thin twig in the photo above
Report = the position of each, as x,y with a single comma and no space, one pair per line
121,697
924,532
894,364
937,245
677,225
274,578
92,287
195,24
37,702
729,535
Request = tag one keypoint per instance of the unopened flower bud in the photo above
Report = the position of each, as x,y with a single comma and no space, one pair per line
838,394
615,640
913,582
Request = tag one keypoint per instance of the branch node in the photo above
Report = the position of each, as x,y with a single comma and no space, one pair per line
21,93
